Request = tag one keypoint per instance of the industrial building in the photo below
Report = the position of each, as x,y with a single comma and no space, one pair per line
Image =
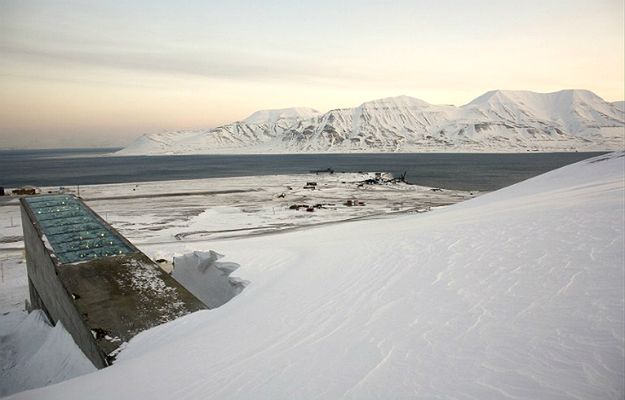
87,276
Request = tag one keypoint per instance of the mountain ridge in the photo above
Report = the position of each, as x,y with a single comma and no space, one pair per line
496,121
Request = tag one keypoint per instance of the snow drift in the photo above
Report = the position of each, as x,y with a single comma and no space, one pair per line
497,121
517,294
35,354
208,279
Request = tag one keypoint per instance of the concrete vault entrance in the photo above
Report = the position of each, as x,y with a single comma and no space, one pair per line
86,275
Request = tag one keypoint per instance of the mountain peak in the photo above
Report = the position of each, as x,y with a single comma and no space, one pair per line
501,96
401,101
528,97
271,116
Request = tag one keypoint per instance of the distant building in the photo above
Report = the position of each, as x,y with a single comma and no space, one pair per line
26,190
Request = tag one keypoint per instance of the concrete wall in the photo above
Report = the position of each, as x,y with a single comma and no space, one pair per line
58,303
102,301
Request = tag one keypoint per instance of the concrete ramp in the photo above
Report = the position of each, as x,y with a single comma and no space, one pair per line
83,273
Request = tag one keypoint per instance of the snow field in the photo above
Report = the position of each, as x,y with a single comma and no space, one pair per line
198,210
202,209
34,354
517,294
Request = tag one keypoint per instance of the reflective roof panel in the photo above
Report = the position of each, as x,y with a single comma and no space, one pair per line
74,232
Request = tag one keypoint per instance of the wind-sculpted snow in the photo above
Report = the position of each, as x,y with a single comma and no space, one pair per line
517,294
497,121
35,354
205,277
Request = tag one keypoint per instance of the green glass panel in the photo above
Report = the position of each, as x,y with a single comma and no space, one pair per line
74,231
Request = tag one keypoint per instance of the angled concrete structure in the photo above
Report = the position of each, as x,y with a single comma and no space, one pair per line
87,276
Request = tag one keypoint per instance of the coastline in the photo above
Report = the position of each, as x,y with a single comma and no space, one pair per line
469,171
216,207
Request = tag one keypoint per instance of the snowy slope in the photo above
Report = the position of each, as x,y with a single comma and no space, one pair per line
546,119
497,121
517,294
35,354
619,104
273,116
238,137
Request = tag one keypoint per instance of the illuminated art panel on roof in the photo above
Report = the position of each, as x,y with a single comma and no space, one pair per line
73,231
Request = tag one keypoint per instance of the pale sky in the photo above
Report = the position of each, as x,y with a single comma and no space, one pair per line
86,73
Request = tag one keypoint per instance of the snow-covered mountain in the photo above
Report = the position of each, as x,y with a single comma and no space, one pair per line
497,121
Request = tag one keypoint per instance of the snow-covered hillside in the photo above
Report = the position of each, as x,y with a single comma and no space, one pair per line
517,294
497,121
35,354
